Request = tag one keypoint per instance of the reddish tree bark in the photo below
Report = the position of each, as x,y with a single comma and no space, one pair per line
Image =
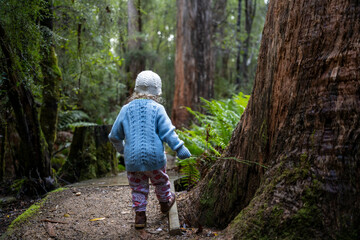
194,64
303,122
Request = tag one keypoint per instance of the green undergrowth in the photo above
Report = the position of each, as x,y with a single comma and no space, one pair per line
209,134
31,211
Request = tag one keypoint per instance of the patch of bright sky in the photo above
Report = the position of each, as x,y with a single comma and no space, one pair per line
171,37
113,43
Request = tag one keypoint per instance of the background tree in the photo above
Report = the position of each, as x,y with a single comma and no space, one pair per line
135,59
250,10
302,122
51,78
194,64
231,44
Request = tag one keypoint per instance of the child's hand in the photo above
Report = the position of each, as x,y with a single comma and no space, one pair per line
183,152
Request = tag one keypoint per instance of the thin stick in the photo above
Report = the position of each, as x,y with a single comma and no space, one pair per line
52,221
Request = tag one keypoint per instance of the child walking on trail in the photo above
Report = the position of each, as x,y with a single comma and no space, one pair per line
144,125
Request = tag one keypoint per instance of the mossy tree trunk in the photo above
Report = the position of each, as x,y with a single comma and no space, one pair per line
51,79
303,122
3,133
91,155
34,158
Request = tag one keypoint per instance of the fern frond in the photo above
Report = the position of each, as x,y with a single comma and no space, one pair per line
212,132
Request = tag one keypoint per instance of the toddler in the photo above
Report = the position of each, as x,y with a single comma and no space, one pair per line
144,125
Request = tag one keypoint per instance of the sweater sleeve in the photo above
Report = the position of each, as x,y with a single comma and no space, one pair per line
166,130
117,134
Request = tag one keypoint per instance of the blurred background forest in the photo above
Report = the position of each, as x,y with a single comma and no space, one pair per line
73,63
92,48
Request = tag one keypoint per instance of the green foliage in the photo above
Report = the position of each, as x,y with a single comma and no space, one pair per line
190,171
72,119
121,168
207,138
88,36
213,130
227,42
19,22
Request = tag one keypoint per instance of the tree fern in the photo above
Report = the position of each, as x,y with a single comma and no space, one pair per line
72,119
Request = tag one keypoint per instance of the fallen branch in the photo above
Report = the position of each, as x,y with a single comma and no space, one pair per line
52,221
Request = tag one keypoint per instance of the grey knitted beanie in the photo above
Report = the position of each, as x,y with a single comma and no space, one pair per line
149,83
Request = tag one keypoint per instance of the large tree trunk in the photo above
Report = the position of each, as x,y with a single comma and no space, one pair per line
194,64
51,80
303,122
34,159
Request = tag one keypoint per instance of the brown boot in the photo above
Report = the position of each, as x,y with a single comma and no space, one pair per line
165,206
140,220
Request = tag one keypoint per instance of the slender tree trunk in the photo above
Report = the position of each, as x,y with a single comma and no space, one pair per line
51,79
219,18
194,64
34,159
135,62
238,41
303,123
3,136
250,8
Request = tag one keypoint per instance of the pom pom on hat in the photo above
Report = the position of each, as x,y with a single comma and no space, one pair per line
148,82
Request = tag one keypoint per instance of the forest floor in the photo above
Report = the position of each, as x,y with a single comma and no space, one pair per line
97,210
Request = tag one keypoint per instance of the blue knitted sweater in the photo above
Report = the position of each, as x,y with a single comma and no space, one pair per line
144,125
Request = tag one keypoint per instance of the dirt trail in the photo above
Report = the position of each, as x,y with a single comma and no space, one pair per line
98,209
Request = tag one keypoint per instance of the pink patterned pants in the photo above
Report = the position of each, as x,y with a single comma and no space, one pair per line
139,183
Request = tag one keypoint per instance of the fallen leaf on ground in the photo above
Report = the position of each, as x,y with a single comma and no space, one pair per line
97,219
66,215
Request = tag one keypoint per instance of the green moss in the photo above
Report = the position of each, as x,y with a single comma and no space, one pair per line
55,67
31,211
106,160
88,173
268,222
58,161
121,168
17,185
298,172
58,190
303,157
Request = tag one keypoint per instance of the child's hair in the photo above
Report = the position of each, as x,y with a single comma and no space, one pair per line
136,95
